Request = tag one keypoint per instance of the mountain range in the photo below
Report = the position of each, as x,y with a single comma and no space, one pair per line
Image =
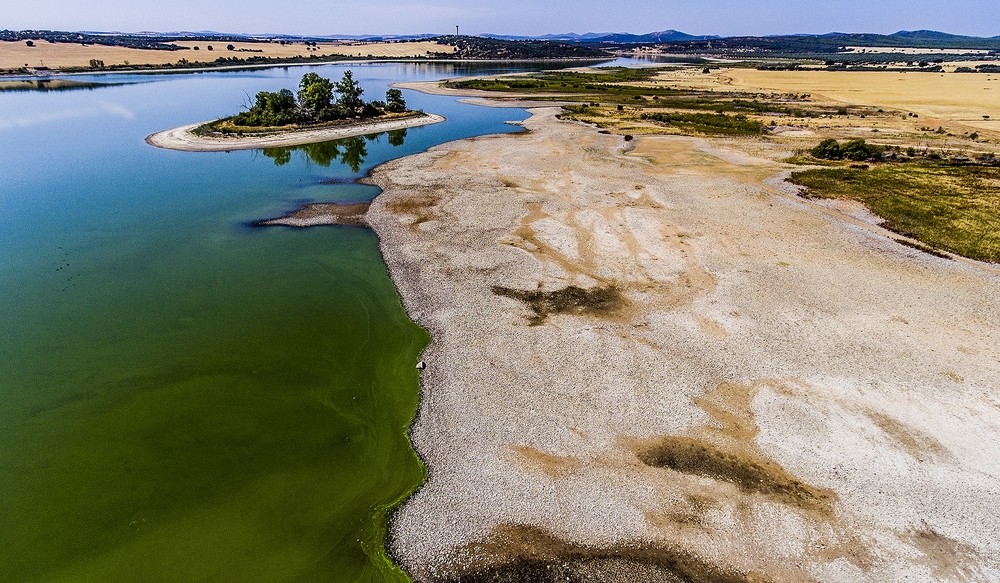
611,37
828,41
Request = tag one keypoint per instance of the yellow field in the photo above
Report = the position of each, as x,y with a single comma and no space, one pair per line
392,50
14,55
958,97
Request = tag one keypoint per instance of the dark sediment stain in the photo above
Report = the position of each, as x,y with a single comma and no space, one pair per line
522,554
724,450
750,472
597,301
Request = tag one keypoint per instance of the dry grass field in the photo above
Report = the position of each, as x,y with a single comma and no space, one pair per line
950,97
392,50
14,55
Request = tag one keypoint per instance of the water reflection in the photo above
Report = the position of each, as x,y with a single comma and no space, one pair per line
348,151
51,85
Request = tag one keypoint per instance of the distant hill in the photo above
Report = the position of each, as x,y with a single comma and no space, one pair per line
818,43
609,37
830,43
673,40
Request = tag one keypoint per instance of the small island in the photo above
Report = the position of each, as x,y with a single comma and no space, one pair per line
321,110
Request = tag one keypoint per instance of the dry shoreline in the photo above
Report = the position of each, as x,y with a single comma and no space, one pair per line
748,389
181,138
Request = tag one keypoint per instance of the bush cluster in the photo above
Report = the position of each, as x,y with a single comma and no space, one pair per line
709,123
855,150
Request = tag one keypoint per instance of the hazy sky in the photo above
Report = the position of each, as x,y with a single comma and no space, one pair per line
724,17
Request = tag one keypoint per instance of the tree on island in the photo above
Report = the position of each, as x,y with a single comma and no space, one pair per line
315,96
318,100
349,90
270,109
394,102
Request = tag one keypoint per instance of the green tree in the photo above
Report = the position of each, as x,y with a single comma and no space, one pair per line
315,95
394,101
349,95
270,109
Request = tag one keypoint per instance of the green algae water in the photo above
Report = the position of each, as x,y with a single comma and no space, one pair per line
184,397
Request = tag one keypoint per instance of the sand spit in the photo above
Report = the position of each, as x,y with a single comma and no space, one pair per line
321,213
182,139
652,366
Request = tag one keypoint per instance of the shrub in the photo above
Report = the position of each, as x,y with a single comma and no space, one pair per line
859,150
854,150
709,123
828,150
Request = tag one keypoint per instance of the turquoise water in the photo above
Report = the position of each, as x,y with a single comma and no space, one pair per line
184,397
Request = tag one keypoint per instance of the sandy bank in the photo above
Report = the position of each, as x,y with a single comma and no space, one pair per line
181,138
479,97
653,366
320,213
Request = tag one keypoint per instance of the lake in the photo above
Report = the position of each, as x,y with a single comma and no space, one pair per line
184,397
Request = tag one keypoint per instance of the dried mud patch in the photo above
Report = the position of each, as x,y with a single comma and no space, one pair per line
947,558
517,554
749,472
919,445
551,465
724,450
417,206
597,301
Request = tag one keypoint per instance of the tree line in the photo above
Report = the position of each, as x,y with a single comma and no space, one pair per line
318,99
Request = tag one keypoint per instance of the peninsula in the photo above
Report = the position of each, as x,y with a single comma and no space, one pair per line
653,359
282,118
